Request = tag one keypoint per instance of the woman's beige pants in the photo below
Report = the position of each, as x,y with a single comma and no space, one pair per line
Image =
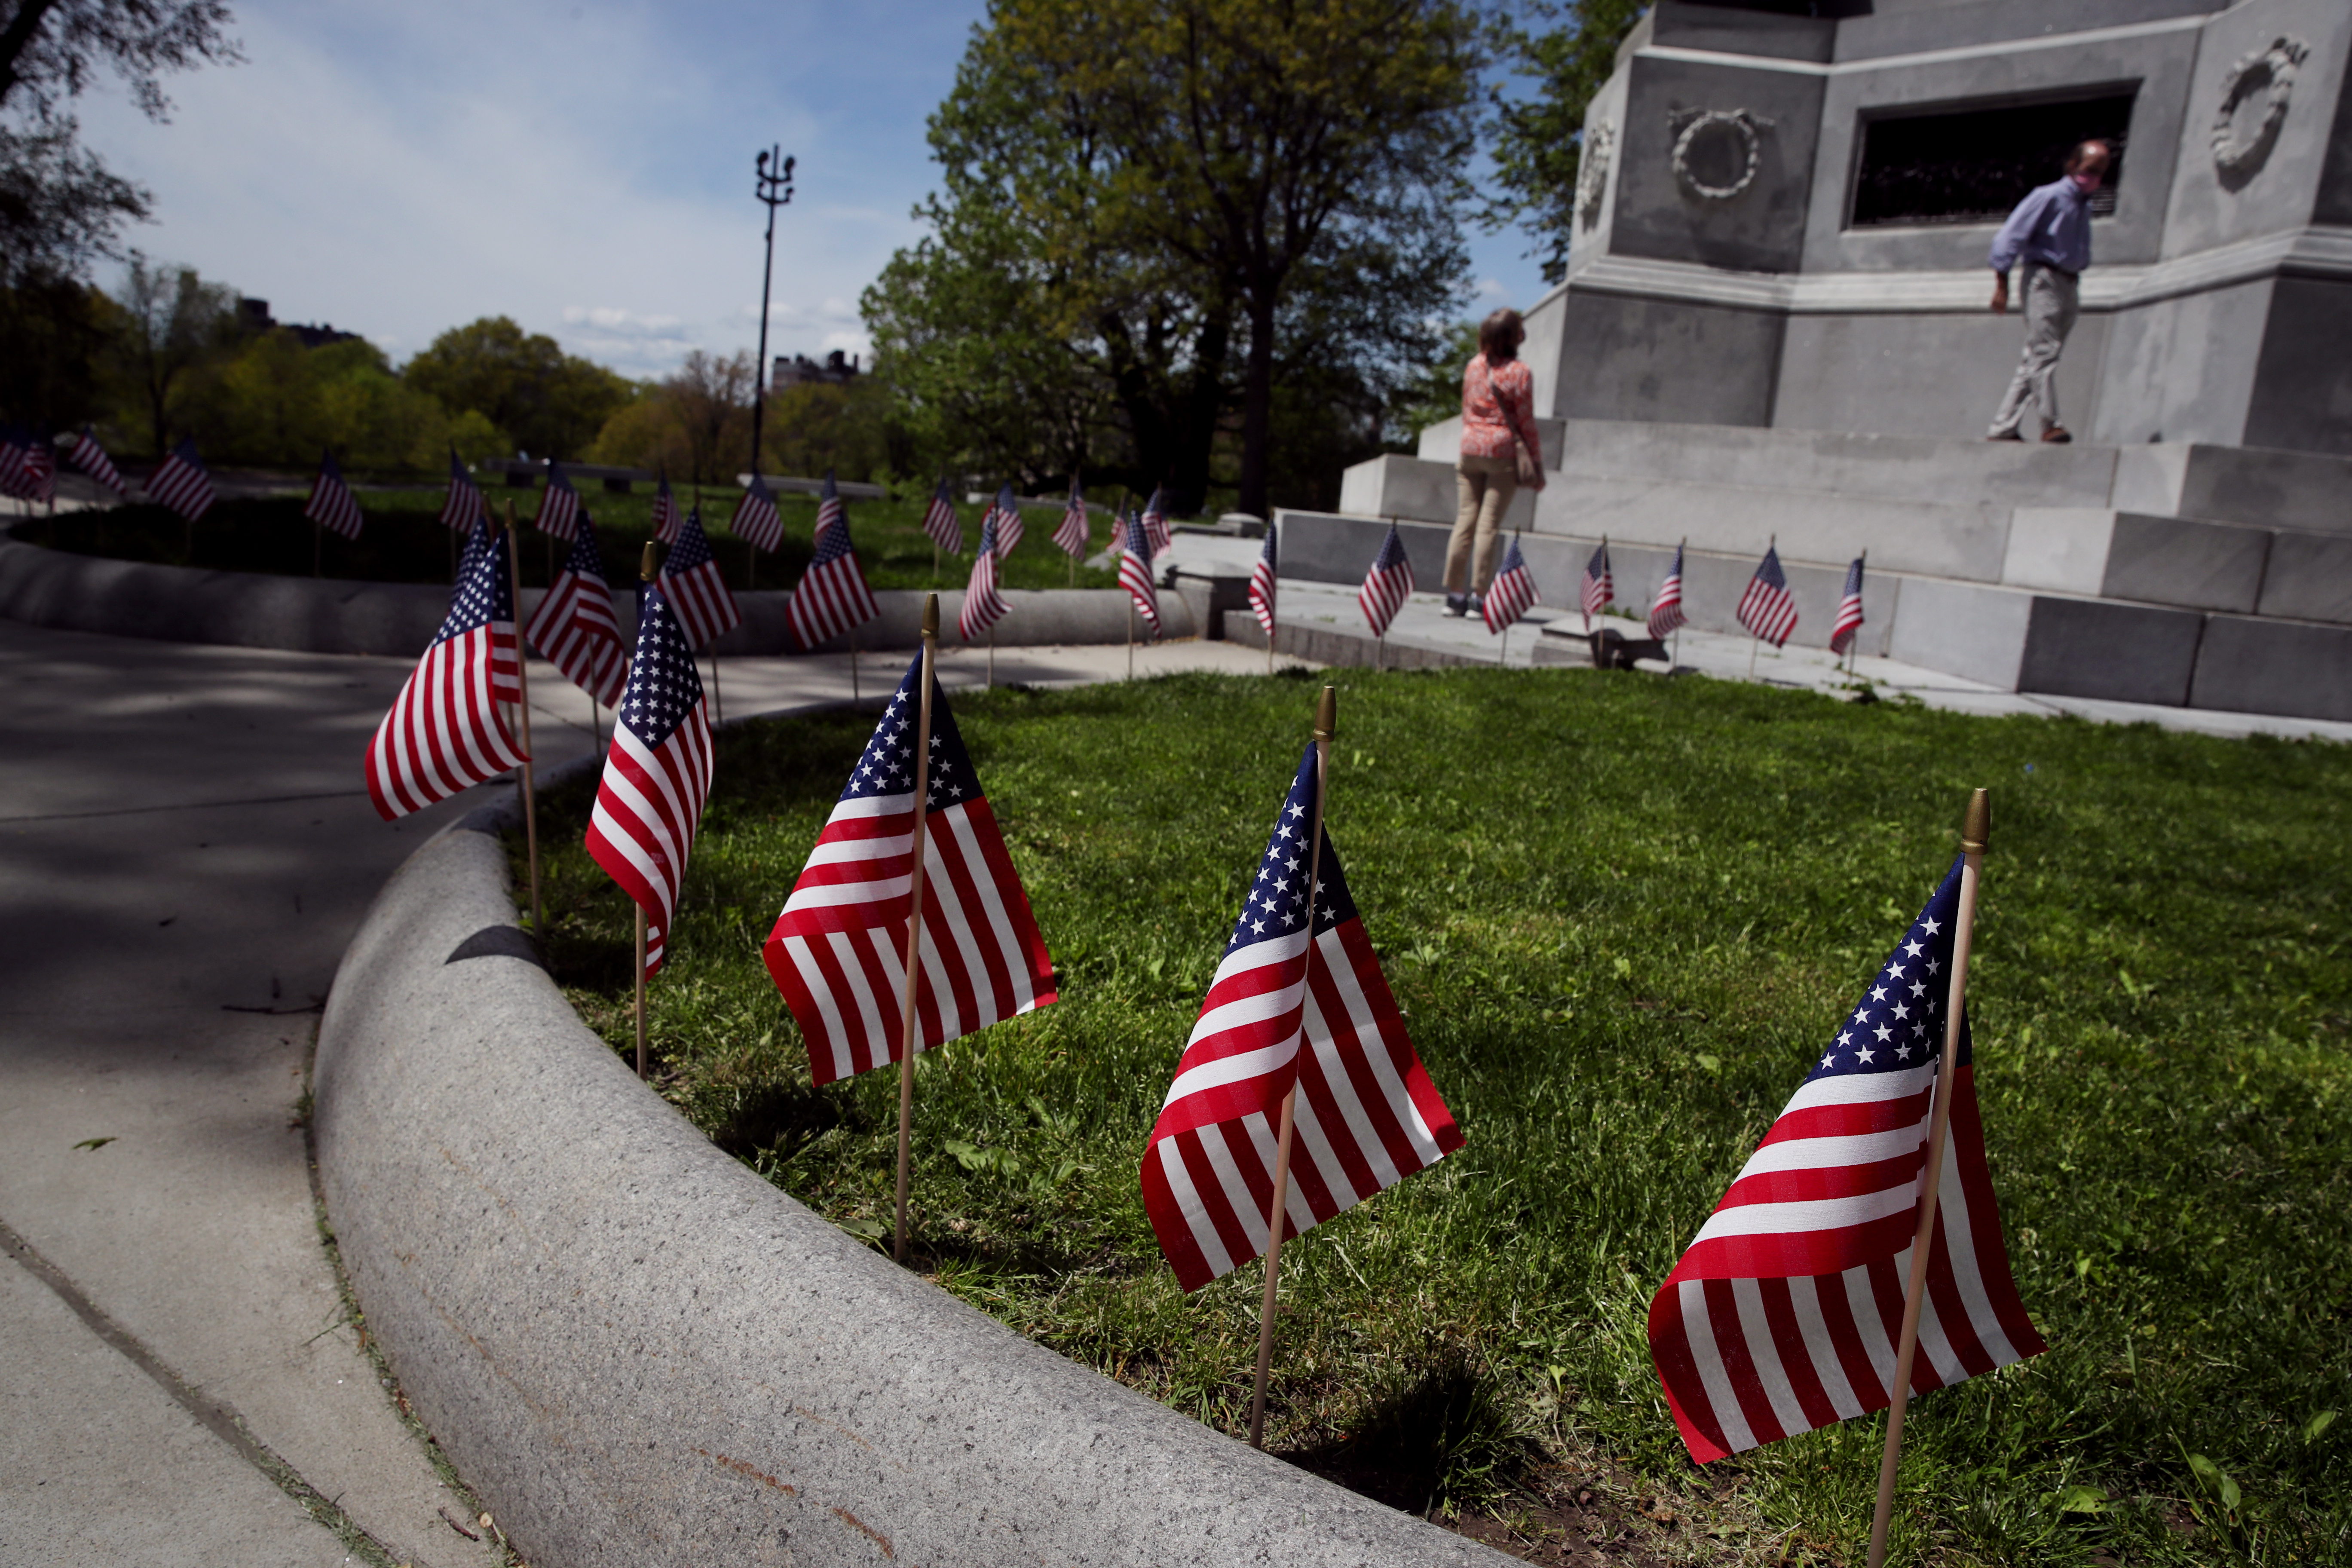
1484,486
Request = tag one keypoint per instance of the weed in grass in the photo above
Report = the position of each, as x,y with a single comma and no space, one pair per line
1620,914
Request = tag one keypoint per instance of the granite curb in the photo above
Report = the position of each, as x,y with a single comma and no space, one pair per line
66,591
639,1352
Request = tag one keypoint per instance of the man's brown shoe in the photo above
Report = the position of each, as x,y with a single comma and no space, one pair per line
2056,435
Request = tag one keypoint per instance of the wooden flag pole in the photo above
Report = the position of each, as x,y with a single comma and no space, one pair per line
318,543
992,655
1131,637
522,685
1974,830
641,991
644,574
914,916
1326,711
717,699
853,661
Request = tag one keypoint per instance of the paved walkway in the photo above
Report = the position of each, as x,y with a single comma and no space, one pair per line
185,849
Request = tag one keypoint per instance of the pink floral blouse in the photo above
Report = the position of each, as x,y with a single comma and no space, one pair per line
1498,403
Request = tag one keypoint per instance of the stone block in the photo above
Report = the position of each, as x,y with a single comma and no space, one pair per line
1331,547
1681,362
2131,555
1208,596
1393,485
2310,578
1973,630
1441,442
2254,665
2124,653
2306,491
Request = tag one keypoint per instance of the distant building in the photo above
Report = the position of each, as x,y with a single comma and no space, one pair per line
837,370
254,316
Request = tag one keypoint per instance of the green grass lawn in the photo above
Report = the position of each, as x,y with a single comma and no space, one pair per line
1622,915
403,542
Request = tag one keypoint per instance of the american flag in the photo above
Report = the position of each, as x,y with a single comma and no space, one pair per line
1785,1312
444,733
40,468
16,451
1262,583
657,772
832,598
1006,512
1135,575
691,582
331,503
839,950
1367,1115
1076,532
573,624
984,605
1512,592
1667,614
559,505
84,452
1388,585
463,506
665,516
939,521
1849,616
755,517
1598,589
182,482
1766,608
1155,524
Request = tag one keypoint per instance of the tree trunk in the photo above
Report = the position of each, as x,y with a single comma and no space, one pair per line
1257,402
1203,404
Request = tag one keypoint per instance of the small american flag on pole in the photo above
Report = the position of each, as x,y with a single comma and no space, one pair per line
1784,1313
15,450
182,482
1766,609
657,772
1598,589
1388,585
559,505
444,733
331,504
40,468
1285,1010
939,521
1511,594
838,951
463,506
666,516
756,518
1667,614
1073,533
84,453
1849,613
832,598
695,591
1006,514
1135,575
573,624
983,605
1155,524
1262,587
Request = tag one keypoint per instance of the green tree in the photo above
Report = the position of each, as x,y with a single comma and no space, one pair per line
1146,193
171,322
1540,138
552,403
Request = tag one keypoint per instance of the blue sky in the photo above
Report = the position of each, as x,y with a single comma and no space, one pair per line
584,167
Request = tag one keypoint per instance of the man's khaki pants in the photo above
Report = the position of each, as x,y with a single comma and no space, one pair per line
1484,488
2052,300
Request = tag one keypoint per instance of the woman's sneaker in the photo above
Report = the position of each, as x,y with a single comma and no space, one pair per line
1457,604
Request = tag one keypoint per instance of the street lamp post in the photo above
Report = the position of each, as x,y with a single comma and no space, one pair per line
775,189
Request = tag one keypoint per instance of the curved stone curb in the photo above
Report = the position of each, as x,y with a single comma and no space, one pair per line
642,1354
308,614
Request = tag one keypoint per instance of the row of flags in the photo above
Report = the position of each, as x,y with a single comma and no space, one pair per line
1782,1316
28,470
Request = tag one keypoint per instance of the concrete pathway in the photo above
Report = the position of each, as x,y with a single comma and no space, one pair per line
185,848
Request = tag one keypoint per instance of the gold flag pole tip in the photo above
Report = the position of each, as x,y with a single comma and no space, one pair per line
1975,828
1327,715
931,616
645,566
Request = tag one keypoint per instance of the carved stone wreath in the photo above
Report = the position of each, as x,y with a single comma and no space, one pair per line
2270,71
1748,127
1593,172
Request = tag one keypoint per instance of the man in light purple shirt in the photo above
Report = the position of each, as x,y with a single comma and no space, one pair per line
2050,231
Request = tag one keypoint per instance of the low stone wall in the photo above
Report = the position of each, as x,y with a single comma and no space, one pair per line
641,1353
312,615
